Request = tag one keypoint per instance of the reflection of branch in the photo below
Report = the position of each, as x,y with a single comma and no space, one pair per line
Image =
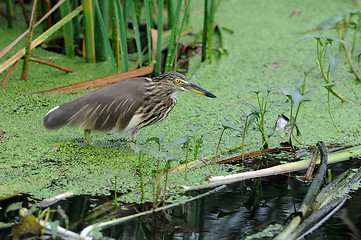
102,225
348,54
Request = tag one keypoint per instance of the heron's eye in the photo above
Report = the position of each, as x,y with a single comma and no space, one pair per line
177,80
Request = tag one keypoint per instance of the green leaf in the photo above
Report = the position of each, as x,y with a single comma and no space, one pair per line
54,228
290,93
354,12
330,39
316,35
251,119
308,71
331,22
294,95
256,91
227,125
183,140
248,113
254,108
155,139
194,129
328,86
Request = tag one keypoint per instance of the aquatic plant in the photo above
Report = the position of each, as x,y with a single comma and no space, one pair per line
158,174
225,125
322,44
141,156
250,118
349,22
196,140
296,97
157,192
259,112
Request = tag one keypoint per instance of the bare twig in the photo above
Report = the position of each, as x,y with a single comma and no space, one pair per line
24,72
68,70
348,54
8,74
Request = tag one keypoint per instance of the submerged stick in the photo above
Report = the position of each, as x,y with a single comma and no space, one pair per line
87,231
305,208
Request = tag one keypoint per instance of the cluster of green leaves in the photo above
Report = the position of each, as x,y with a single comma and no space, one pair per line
342,25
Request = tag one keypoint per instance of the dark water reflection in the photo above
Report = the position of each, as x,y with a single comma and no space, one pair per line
239,210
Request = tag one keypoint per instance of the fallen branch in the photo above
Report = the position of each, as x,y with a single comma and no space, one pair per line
280,169
68,70
102,81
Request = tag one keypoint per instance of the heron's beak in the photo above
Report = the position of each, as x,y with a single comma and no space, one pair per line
194,88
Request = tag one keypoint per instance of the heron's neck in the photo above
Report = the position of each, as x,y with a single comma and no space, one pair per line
174,95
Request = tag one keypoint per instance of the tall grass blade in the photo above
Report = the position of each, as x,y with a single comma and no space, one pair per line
148,21
205,30
23,7
101,52
77,29
41,38
185,17
8,11
11,45
115,34
68,30
172,14
122,35
159,38
89,31
104,34
136,31
24,72
172,48
210,20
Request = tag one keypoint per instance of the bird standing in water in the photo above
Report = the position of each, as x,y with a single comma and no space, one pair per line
123,107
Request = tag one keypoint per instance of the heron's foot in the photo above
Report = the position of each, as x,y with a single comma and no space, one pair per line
87,137
132,145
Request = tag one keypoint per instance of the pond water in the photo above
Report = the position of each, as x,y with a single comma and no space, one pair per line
234,212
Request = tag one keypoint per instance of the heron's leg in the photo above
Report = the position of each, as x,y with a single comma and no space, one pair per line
132,135
87,137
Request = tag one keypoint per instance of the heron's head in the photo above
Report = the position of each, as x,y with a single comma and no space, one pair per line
181,83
